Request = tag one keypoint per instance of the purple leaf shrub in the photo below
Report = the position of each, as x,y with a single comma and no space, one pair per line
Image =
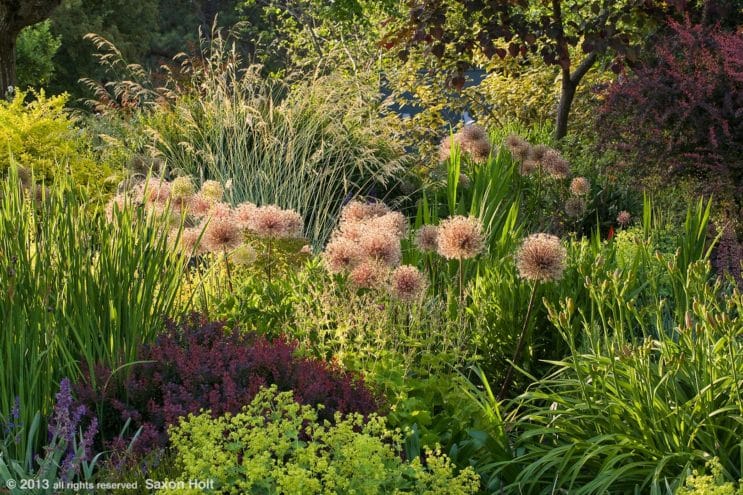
206,365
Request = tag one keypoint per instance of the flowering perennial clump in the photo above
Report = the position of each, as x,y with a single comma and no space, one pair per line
366,244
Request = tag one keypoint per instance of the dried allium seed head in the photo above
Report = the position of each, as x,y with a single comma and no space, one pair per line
537,152
479,150
341,255
518,146
555,165
407,283
575,207
376,209
541,258
426,238
182,188
528,167
471,133
244,213
381,246
460,238
243,255
368,275
464,181
212,190
580,186
222,234
624,218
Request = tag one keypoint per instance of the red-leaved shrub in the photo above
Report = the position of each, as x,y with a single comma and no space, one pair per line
205,365
684,108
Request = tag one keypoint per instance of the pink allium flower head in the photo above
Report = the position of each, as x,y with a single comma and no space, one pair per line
368,275
352,230
445,149
426,238
199,206
555,165
157,191
118,202
580,186
381,246
293,223
393,222
354,211
244,214
220,209
341,255
472,140
190,242
460,237
541,258
221,234
624,218
271,221
407,283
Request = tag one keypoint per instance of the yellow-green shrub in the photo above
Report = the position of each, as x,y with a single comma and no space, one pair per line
709,484
278,446
40,135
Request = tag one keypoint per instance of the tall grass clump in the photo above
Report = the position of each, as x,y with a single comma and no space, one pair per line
75,290
306,147
626,414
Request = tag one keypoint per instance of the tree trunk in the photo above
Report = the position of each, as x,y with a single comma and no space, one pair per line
570,84
567,94
7,61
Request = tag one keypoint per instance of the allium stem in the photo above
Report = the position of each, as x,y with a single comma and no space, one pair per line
229,272
268,261
519,346
461,283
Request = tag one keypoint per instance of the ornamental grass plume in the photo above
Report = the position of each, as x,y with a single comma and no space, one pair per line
369,275
212,190
427,238
341,254
541,258
575,207
555,165
624,218
407,283
580,186
460,237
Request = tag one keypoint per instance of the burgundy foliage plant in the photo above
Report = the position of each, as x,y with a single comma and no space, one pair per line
684,108
206,365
